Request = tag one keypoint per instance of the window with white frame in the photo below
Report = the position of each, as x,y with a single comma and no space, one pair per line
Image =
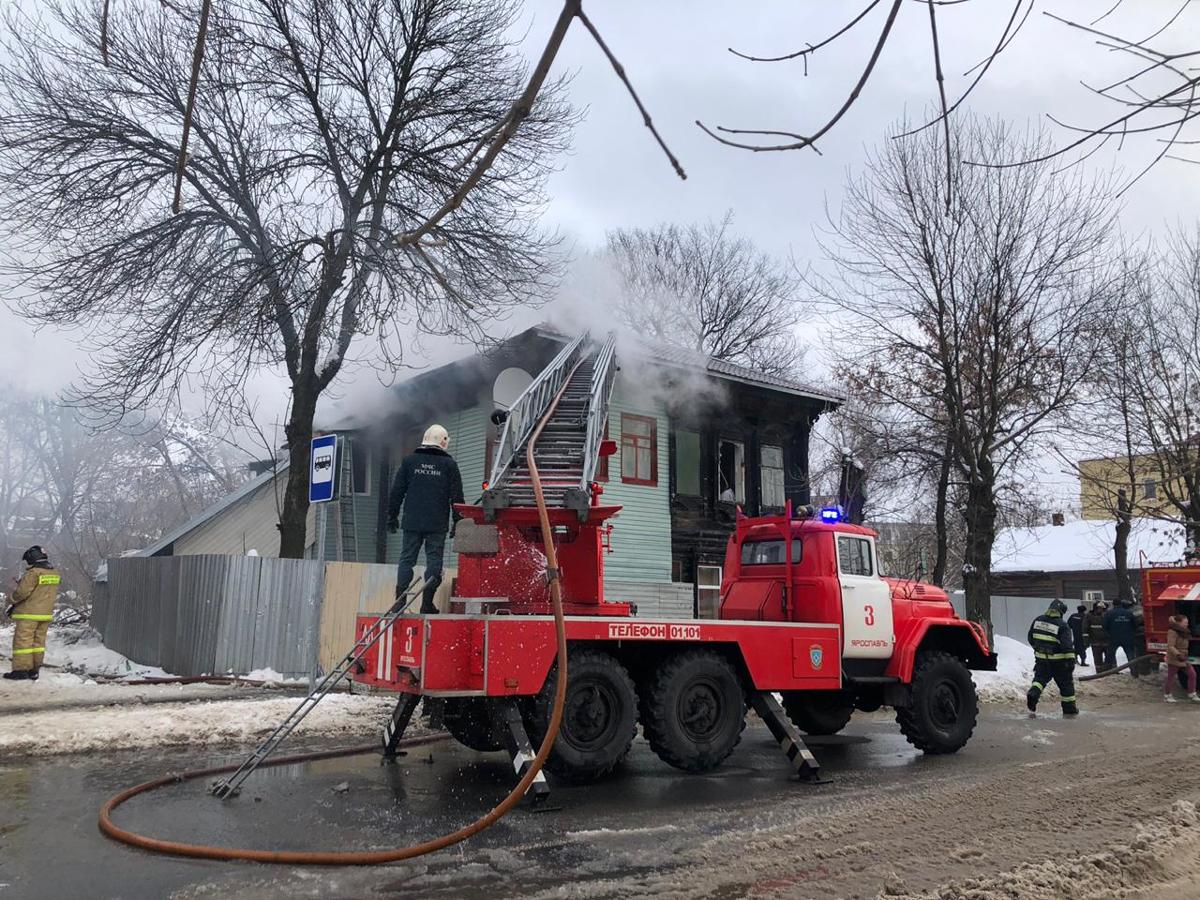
772,476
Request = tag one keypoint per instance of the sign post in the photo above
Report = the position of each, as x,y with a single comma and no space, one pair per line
322,489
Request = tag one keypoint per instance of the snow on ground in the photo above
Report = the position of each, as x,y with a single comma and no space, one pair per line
1013,675
197,722
78,649
1158,860
68,711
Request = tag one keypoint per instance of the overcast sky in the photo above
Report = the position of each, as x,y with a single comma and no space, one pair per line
675,53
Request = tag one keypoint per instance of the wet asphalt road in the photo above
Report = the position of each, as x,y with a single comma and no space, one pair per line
50,846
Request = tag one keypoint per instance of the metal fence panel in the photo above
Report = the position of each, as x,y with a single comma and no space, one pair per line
201,596
133,613
163,578
241,615
290,600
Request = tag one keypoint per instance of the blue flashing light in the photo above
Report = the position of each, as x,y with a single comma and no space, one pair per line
831,514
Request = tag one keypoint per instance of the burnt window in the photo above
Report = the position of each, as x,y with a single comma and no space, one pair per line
687,463
731,467
772,476
360,467
639,450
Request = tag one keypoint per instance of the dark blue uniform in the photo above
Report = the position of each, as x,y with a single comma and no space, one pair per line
427,485
1121,628
1053,657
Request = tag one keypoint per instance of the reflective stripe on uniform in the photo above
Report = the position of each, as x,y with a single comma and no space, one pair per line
1049,627
32,617
29,650
49,579
1038,655
1070,699
1038,687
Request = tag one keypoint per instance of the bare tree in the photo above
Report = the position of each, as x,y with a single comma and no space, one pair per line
1156,96
703,287
88,495
323,135
1162,360
994,307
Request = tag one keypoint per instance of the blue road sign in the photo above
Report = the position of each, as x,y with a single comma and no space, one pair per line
322,469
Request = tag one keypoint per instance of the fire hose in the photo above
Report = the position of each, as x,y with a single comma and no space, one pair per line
374,857
1120,668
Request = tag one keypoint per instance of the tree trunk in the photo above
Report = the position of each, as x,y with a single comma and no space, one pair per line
1121,546
977,560
293,520
939,518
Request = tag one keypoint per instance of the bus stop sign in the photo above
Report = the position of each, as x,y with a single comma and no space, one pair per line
322,469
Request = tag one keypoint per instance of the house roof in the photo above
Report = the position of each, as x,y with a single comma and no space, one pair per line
1084,546
720,368
216,509
467,370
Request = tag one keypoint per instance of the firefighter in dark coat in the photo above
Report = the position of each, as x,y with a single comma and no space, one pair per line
1054,657
427,486
1093,625
1076,623
1120,627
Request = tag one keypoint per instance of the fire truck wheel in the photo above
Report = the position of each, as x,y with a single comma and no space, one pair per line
599,717
694,710
471,721
819,712
940,715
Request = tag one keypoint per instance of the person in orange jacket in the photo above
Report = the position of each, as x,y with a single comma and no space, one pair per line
32,609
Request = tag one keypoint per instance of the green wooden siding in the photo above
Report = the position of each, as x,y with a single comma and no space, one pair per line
642,530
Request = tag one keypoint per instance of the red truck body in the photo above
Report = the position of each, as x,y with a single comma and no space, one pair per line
804,614
1167,591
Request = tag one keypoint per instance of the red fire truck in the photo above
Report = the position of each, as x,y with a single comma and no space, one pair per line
1168,590
804,614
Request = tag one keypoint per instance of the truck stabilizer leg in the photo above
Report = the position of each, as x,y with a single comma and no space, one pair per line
782,729
394,730
522,753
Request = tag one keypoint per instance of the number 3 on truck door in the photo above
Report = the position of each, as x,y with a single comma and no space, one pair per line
869,615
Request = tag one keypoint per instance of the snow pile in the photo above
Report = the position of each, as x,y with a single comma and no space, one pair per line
210,723
1013,675
78,649
1160,861
273,677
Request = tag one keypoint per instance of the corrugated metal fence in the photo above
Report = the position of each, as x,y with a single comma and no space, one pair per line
1011,616
198,615
195,615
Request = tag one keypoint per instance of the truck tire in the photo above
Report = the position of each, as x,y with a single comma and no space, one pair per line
472,722
942,708
819,712
599,717
694,710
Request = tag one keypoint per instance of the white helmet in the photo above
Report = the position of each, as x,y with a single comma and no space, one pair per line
436,436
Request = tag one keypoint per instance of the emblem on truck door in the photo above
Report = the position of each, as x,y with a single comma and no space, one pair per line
815,655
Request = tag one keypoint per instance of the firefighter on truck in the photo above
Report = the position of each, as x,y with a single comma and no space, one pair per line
1054,657
33,610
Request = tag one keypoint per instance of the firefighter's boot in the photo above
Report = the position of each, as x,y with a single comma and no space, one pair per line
1069,709
19,675
1031,699
428,607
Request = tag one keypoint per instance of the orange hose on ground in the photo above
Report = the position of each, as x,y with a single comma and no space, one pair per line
374,857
